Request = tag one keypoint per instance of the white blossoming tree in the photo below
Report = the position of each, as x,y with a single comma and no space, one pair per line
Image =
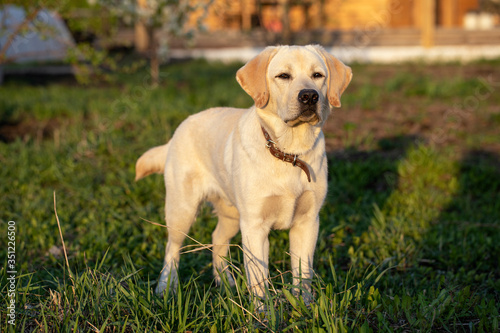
159,21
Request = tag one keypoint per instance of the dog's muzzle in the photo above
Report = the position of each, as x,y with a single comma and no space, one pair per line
308,107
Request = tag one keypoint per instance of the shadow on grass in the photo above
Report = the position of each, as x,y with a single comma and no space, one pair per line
439,222
358,182
463,242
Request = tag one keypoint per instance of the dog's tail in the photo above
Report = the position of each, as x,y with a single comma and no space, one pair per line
152,161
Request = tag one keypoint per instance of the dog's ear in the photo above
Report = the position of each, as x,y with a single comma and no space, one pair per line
339,76
252,76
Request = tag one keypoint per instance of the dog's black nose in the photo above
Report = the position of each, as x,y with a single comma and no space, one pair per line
308,96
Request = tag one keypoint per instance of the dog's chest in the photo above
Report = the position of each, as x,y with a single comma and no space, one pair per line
281,211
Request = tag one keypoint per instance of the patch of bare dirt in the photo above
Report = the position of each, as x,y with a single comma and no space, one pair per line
466,123
437,124
27,128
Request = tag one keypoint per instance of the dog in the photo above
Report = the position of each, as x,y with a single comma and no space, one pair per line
262,168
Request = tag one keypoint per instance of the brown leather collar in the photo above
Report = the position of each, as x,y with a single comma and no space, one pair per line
284,156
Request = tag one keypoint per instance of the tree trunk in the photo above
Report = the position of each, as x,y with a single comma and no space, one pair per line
154,60
141,37
285,19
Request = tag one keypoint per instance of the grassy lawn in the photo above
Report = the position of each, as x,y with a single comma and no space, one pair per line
409,230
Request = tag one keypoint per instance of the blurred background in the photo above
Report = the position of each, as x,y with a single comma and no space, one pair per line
357,30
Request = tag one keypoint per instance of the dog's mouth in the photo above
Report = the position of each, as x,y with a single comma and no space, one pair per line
308,115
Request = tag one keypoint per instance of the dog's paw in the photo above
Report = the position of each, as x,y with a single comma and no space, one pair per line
167,283
161,288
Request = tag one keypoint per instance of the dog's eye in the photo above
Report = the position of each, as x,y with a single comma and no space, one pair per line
283,76
317,75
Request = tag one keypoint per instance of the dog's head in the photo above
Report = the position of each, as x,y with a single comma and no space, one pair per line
299,83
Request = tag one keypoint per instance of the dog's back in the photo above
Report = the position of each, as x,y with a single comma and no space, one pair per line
195,136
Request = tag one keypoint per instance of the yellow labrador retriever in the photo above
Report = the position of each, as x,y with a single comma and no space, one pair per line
262,168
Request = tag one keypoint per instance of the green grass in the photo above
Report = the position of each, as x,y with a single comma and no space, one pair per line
408,236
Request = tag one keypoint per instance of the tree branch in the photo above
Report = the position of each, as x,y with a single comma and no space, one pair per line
29,18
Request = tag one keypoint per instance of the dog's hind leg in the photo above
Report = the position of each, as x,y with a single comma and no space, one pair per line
227,228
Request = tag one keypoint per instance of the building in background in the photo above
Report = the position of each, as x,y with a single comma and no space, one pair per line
468,28
297,15
344,22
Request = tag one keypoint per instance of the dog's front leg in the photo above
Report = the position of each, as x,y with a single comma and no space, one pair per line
303,237
256,253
